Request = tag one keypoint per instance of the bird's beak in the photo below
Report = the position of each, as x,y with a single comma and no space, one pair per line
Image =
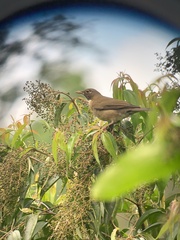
79,92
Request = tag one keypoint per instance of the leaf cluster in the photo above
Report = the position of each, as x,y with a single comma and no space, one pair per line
170,63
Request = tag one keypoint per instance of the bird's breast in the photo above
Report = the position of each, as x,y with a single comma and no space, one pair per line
90,103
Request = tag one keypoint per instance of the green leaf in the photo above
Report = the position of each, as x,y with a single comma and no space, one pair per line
78,232
145,164
55,146
161,185
152,227
130,97
48,185
94,147
58,141
147,236
39,226
167,105
97,215
145,216
70,145
26,136
16,141
58,111
172,225
26,150
128,130
171,198
62,141
109,143
115,87
164,229
31,224
43,122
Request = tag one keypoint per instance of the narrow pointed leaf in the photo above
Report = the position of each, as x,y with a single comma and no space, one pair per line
70,145
15,141
109,143
94,147
145,216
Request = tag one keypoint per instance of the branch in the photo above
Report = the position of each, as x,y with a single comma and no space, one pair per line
72,100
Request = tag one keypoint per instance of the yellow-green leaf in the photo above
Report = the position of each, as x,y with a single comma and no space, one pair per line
94,147
109,143
145,164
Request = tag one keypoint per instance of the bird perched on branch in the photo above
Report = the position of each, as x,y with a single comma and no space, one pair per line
109,109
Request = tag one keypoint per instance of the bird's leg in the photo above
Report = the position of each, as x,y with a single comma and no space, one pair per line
109,126
113,127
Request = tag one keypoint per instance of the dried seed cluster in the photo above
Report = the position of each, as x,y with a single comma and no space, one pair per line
43,100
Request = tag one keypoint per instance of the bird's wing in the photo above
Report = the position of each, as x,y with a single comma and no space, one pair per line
113,104
116,107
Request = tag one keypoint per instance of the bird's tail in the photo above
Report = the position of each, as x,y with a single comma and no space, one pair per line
141,109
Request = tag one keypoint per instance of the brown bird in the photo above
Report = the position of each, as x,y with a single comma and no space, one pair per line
109,109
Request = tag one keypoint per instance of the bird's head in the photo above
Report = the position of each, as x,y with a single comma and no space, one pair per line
89,93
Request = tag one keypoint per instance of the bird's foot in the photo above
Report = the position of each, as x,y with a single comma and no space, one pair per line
108,127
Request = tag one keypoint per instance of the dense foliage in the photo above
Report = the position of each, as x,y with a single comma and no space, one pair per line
48,167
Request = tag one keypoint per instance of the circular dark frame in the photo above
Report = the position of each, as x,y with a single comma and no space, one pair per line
164,10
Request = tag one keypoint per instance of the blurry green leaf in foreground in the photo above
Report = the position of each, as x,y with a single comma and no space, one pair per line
144,164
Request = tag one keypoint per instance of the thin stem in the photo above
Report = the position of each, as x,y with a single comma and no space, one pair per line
30,125
72,100
145,135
